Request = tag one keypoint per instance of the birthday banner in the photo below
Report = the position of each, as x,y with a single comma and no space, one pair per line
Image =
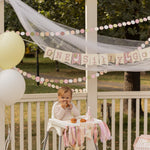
97,59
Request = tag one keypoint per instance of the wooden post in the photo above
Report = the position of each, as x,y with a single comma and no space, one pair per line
2,126
2,107
91,84
1,16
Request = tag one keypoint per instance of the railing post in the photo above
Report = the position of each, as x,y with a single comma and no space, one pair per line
1,16
2,126
129,122
91,84
145,116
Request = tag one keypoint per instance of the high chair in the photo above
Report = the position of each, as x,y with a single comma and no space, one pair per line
56,127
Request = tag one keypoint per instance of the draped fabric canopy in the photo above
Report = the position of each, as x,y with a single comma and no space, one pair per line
34,22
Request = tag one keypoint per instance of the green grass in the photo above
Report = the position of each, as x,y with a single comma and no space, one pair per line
32,87
47,69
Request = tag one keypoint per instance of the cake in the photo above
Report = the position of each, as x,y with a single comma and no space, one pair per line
73,120
82,120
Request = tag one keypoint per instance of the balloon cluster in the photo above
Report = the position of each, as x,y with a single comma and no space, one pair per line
12,83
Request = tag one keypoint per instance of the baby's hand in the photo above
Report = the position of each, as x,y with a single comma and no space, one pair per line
63,105
70,106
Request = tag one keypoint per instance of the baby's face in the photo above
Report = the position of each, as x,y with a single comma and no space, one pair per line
65,98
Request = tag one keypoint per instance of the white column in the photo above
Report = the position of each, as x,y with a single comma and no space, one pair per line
2,107
91,21
91,84
1,16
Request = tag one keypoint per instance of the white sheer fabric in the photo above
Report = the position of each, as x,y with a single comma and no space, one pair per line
34,22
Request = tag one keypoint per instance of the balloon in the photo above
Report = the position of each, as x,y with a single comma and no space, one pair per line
12,86
0,69
12,50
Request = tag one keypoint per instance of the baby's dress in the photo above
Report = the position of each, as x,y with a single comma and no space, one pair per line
65,114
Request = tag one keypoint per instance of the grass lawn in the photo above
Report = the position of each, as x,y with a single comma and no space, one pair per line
47,69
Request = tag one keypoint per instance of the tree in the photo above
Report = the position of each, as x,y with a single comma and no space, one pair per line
72,13
132,79
56,10
11,20
132,83
115,13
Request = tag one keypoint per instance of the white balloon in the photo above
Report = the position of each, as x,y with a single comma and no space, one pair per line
12,49
12,86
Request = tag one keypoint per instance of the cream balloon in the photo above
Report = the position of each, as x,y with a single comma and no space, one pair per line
12,49
12,86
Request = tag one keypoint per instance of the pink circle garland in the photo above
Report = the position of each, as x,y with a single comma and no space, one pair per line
66,81
105,27
46,82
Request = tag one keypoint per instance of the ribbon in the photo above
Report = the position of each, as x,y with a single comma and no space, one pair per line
107,131
92,130
79,148
70,136
76,148
95,134
103,135
73,135
82,129
78,136
89,131
66,142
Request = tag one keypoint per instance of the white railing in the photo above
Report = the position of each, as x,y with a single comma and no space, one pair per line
29,119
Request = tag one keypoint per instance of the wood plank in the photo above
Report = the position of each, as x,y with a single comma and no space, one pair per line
12,128
21,127
129,124
121,126
113,125
45,123
145,116
137,116
38,136
29,127
104,118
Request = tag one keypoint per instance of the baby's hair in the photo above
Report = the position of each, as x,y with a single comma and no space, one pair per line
63,90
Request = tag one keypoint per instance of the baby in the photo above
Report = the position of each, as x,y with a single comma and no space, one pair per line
65,109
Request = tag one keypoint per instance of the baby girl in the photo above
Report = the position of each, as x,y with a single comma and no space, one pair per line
65,109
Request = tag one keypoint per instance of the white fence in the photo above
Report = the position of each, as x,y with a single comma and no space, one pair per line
28,119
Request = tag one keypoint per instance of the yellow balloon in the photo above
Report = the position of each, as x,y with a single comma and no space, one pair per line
12,49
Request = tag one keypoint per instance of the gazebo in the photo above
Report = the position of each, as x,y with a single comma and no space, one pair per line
91,96
91,85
